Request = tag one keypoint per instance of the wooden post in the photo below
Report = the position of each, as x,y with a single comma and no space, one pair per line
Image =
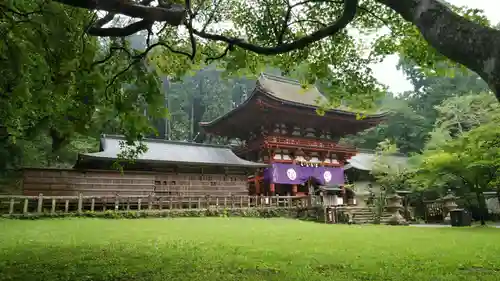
189,202
150,202
249,201
66,206
257,183
80,203
25,207
40,203
92,204
11,206
199,203
271,189
241,201
53,209
139,201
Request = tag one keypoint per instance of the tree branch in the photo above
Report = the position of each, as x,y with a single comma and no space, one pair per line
112,52
461,40
174,14
211,16
121,31
350,7
189,25
226,50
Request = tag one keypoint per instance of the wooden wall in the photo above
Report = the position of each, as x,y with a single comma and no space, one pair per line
56,182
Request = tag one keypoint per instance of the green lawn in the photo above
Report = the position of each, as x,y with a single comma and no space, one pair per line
239,249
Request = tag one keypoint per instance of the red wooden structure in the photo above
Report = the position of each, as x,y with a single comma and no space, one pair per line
279,123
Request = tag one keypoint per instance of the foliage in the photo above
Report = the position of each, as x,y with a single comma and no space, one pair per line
451,149
390,172
460,114
471,158
271,212
235,249
321,38
58,99
412,115
403,126
464,148
203,96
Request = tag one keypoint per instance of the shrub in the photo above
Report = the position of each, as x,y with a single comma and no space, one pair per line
313,213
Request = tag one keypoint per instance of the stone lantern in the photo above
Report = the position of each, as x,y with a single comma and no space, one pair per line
394,207
449,204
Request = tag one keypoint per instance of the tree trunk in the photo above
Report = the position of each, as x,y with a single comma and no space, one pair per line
475,46
481,204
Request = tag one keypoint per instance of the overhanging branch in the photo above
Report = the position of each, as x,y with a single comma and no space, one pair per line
350,7
121,31
173,14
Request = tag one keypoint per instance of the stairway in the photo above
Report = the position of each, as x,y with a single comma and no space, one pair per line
363,215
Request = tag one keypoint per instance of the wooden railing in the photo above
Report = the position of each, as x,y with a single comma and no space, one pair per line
16,204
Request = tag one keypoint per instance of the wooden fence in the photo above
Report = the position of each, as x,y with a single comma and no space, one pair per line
17,205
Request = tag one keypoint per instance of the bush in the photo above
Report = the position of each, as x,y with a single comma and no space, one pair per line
273,212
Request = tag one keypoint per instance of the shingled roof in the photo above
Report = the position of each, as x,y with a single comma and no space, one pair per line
174,152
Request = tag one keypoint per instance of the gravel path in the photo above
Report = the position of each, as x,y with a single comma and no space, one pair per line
447,225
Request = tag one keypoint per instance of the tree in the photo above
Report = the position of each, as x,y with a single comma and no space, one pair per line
427,31
472,159
463,150
407,129
390,172
432,88
57,94
412,115
460,114
203,96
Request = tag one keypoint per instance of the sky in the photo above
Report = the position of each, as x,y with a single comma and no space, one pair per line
386,71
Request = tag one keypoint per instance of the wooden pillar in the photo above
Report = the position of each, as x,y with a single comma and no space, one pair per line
257,183
294,186
271,189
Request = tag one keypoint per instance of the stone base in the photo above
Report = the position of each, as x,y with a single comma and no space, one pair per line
397,220
447,219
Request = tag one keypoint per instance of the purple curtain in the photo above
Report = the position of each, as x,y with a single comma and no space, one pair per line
295,174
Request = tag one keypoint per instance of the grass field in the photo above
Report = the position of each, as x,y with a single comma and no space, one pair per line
239,249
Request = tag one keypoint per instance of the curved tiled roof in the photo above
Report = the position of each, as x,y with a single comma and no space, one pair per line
174,152
364,160
289,91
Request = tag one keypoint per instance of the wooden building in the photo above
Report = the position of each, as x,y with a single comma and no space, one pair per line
358,174
279,125
167,168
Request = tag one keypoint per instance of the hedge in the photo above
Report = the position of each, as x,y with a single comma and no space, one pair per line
314,213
